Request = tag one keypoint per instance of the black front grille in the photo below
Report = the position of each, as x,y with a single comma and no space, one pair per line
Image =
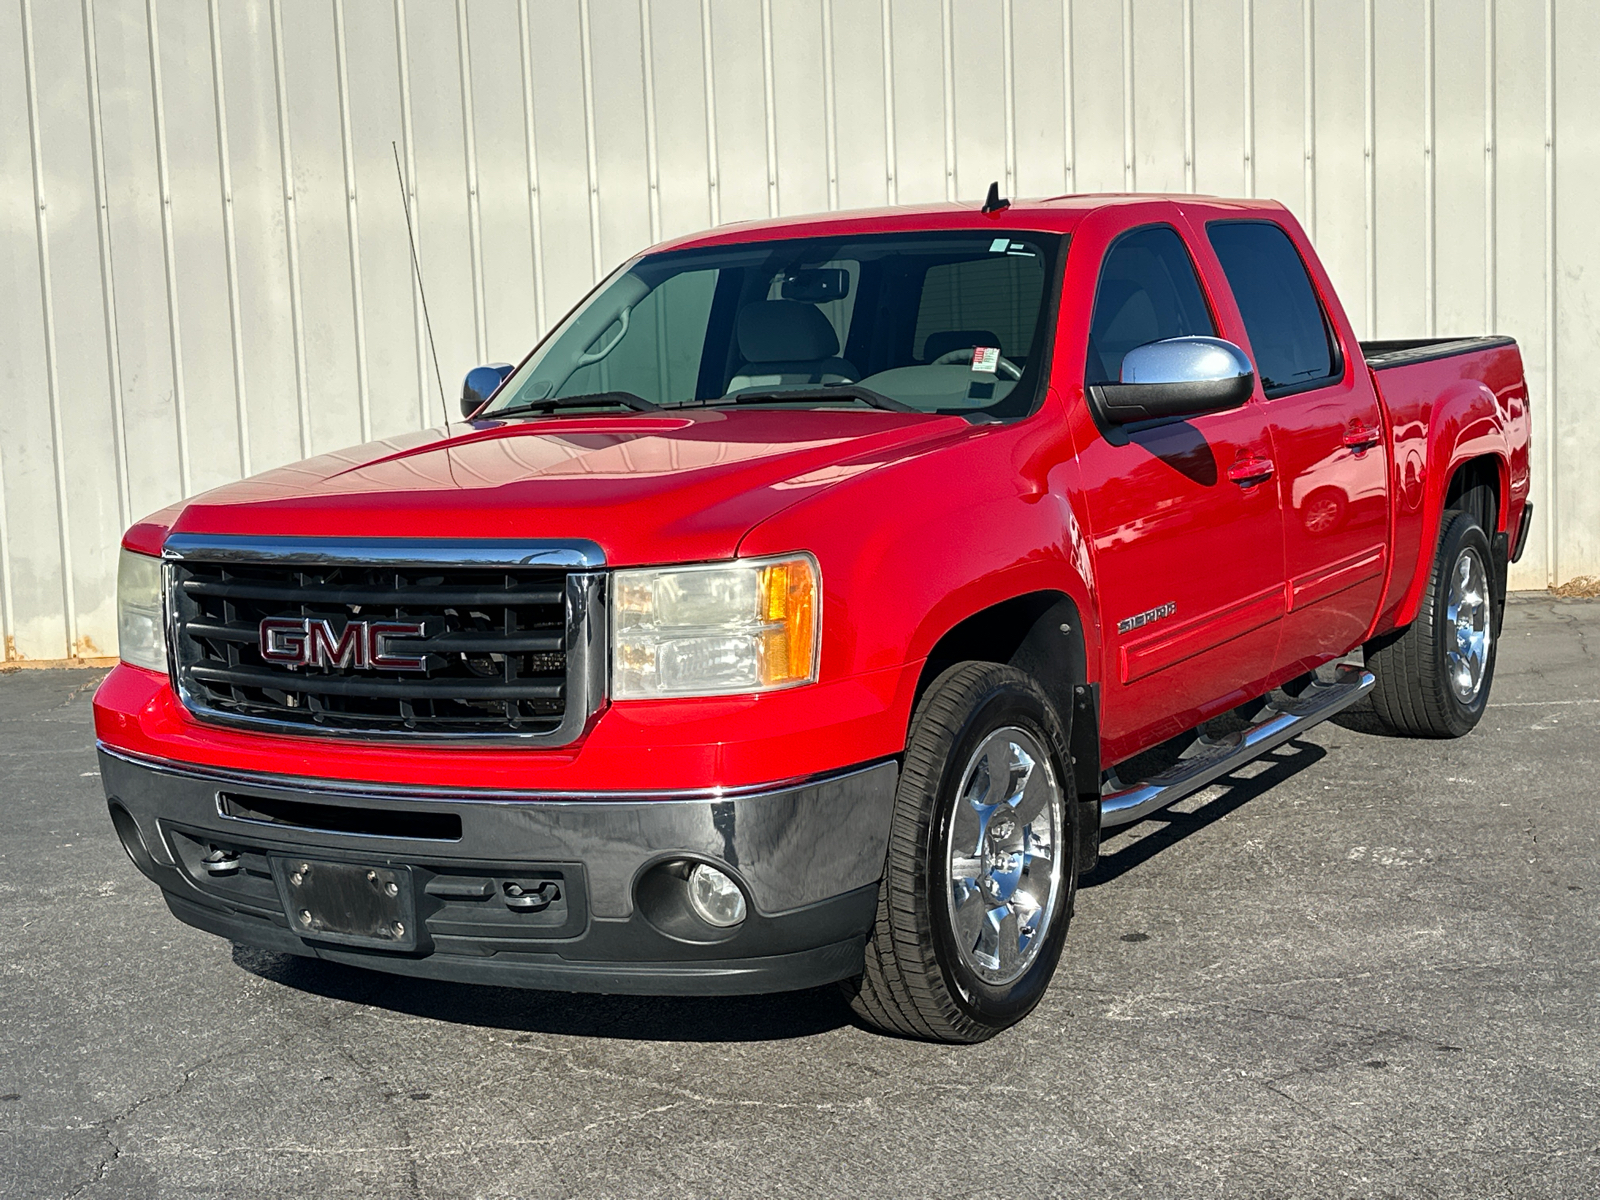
492,648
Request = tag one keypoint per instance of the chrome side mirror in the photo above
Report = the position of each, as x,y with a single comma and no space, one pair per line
480,384
1177,377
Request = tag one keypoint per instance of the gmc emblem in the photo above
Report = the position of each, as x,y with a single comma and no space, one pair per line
311,642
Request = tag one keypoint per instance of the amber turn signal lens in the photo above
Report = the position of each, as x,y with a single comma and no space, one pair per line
789,606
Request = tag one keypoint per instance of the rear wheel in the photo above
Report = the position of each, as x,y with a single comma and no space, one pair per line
1434,676
982,866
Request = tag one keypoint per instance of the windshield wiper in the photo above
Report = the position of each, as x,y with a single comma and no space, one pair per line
825,393
587,400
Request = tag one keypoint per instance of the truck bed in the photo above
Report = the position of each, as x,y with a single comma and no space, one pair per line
1480,382
1381,355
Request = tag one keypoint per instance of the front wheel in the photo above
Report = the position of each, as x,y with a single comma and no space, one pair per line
1434,676
982,866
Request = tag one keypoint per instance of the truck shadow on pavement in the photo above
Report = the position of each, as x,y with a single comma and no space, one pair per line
1175,824
522,1011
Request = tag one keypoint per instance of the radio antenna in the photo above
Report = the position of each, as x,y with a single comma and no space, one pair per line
416,267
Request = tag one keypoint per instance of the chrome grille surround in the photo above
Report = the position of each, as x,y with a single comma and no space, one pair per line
573,565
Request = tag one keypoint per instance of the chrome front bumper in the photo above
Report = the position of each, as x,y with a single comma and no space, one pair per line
808,856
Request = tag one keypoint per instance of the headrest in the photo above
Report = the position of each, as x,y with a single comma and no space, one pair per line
785,331
939,344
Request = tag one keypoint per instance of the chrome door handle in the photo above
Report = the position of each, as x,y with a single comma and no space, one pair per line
1248,472
1363,439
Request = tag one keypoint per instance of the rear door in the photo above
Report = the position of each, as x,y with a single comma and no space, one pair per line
1187,542
1327,431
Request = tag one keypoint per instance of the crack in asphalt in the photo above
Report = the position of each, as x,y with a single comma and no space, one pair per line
107,1125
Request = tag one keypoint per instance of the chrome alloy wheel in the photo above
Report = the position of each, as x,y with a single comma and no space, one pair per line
1005,854
1468,629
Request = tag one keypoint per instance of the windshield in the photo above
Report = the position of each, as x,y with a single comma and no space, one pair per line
937,322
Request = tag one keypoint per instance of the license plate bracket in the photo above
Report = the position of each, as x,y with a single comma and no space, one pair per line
351,904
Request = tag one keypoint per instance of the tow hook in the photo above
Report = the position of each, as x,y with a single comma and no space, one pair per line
531,899
218,861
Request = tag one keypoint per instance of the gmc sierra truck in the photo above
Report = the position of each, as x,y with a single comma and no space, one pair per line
800,610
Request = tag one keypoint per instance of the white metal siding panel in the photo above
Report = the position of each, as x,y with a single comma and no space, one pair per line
444,236
266,325
386,289
1097,100
1520,226
740,107
80,408
563,160
1577,333
229,282
858,88
34,622
1339,102
680,102
1219,124
801,148
919,107
1037,89
1158,95
499,138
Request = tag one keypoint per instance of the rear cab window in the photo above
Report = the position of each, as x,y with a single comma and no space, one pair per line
1290,334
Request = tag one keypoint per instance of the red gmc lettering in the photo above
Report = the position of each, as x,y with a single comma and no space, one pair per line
380,633
311,642
283,640
324,650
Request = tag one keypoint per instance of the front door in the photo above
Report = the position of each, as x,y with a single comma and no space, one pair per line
1184,517
1327,432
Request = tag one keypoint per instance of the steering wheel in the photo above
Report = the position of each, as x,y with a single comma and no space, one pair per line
1006,368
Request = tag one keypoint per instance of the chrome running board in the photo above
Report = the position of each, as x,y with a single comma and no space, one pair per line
1213,758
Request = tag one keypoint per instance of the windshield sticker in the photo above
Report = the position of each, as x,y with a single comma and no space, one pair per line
986,358
999,245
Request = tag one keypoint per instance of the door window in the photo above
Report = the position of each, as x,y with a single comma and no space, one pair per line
1148,291
1288,330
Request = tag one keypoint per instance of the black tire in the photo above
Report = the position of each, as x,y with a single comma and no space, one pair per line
1414,696
916,984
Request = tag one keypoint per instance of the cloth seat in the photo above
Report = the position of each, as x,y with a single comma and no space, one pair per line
787,343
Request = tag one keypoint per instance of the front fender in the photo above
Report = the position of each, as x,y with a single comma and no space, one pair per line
912,548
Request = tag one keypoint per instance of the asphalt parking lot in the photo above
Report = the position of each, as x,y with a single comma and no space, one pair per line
1368,969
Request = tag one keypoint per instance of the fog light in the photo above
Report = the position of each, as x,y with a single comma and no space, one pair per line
716,899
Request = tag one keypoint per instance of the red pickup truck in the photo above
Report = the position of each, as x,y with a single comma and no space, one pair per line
804,606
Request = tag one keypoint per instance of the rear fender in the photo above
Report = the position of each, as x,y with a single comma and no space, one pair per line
1463,423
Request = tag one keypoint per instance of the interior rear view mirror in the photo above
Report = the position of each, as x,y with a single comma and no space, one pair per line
480,384
1176,377
817,286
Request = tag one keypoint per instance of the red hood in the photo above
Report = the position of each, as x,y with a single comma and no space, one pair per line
647,488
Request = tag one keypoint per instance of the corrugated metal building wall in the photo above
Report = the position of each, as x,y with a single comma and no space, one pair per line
203,259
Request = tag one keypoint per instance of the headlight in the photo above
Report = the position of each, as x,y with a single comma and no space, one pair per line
141,630
715,630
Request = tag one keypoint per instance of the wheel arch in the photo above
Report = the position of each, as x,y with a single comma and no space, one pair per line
1480,482
1041,633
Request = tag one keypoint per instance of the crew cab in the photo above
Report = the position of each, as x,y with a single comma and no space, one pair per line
802,608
